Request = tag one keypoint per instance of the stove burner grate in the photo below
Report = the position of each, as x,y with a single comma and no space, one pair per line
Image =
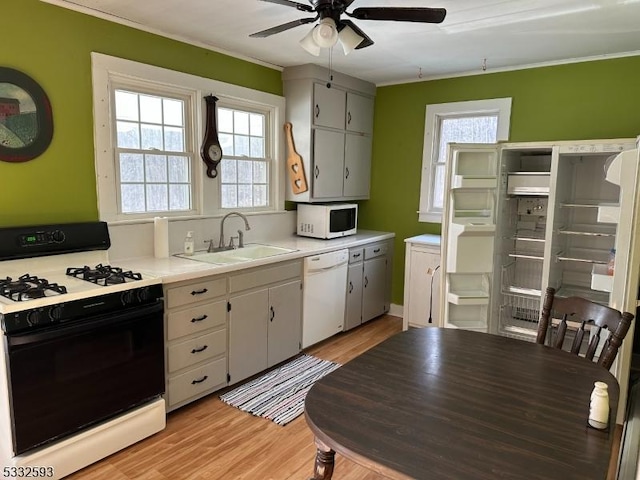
28,287
103,274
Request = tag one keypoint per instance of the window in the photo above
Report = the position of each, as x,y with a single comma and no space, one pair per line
153,158
481,121
245,165
149,123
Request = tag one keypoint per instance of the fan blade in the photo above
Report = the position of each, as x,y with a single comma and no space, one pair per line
283,27
366,42
288,3
399,14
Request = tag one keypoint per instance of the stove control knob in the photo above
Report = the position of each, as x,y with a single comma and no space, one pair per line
55,313
144,294
57,236
34,318
127,297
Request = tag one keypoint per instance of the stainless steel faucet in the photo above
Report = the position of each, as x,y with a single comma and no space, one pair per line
246,227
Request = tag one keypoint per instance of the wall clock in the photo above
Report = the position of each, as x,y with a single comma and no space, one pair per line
211,151
26,123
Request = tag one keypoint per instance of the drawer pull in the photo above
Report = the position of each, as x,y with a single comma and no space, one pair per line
376,250
199,319
193,382
199,292
273,314
350,287
317,110
198,350
356,255
366,282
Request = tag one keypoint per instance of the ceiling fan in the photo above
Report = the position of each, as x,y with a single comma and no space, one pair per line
332,27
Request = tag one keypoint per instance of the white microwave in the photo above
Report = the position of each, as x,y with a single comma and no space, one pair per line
326,221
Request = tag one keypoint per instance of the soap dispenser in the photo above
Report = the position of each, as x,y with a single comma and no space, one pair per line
188,244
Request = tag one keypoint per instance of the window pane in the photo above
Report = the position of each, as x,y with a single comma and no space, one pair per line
126,106
225,120
229,196
151,136
241,122
156,168
228,171
466,130
157,199
241,146
244,196
179,197
173,139
132,198
226,143
259,172
259,195
150,109
257,147
131,167
128,135
256,125
438,195
178,169
245,171
173,112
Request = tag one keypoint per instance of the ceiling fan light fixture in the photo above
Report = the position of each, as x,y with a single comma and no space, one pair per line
309,44
325,33
349,39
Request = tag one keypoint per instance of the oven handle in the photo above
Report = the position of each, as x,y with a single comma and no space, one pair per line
84,326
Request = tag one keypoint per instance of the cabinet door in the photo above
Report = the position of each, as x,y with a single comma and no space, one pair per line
353,311
359,113
328,164
424,289
329,106
248,321
357,166
373,283
285,322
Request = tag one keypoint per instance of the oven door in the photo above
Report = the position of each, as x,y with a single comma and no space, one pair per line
67,378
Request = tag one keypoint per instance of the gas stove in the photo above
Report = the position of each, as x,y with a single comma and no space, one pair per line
45,266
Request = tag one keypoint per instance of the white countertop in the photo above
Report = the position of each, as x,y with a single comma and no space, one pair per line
175,269
425,239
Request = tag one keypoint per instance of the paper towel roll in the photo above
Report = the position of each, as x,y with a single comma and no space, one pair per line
161,237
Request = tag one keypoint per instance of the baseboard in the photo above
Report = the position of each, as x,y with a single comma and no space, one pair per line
396,310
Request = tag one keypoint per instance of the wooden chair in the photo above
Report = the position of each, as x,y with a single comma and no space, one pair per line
584,312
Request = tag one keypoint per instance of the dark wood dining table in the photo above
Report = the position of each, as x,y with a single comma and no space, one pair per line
438,403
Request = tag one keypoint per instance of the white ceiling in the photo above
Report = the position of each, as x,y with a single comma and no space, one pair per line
507,33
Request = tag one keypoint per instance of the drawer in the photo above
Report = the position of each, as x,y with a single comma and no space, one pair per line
196,319
356,254
265,275
373,251
210,376
197,349
196,292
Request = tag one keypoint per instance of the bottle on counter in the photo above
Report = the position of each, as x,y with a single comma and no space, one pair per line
612,261
189,244
599,406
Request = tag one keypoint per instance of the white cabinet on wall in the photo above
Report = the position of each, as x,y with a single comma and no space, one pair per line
332,127
265,318
422,282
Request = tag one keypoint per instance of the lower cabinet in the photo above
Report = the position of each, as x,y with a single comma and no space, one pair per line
422,282
265,318
196,340
368,283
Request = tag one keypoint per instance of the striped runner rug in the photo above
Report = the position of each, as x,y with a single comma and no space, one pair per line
279,394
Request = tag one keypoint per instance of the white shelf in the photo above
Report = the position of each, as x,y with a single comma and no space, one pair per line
474,181
528,183
600,280
469,297
577,291
589,230
608,212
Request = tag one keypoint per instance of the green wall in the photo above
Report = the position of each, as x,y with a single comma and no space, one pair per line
590,100
53,45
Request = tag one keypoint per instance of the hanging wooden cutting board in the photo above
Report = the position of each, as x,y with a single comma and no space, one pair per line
294,163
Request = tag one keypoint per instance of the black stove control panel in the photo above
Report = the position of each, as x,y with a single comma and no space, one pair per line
41,238
54,316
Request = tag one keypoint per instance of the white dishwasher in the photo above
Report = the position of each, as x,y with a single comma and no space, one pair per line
324,294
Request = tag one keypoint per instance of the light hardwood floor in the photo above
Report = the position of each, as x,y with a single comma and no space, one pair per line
211,440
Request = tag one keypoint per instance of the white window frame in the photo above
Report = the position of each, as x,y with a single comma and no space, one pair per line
434,114
108,72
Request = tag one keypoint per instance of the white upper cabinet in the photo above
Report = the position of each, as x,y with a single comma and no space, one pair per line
332,124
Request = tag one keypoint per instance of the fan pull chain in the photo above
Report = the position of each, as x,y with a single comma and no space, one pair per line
330,67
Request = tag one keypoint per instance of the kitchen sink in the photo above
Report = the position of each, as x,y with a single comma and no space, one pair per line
253,251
